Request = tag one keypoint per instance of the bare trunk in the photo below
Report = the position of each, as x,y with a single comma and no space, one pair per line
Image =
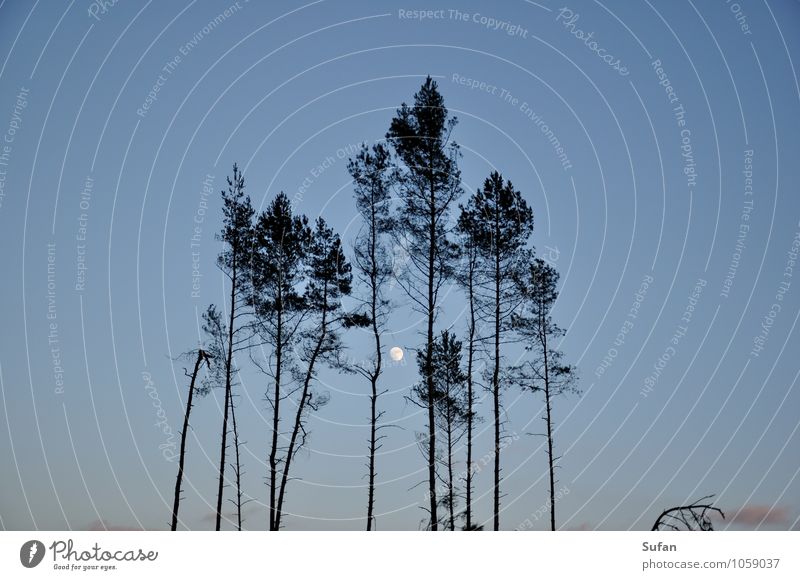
228,380
273,454
372,449
179,479
377,372
450,492
496,393
470,356
429,364
237,468
549,419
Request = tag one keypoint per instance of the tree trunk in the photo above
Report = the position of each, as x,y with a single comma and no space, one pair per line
470,356
496,391
470,395
377,371
548,409
228,379
372,449
179,480
273,454
298,420
429,363
237,467
451,495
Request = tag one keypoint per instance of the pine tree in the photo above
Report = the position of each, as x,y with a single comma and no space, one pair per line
545,372
216,334
234,261
468,278
329,280
500,222
281,242
373,176
450,403
429,185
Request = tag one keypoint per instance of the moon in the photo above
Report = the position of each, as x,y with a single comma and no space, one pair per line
396,353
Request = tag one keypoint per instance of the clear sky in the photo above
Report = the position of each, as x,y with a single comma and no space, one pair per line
656,141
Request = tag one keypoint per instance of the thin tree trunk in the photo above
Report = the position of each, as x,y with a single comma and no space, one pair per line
372,449
451,496
228,379
299,415
377,371
179,480
496,392
550,458
470,356
273,454
237,467
548,408
429,364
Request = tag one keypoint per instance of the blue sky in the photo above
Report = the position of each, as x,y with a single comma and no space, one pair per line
670,210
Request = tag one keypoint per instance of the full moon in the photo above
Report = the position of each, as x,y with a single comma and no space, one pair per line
396,353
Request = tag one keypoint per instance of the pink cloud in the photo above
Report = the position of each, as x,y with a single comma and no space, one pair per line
759,515
582,527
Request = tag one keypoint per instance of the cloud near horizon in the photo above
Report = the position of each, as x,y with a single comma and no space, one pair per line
760,515
104,526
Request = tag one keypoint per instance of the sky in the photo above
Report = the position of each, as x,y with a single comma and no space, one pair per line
657,143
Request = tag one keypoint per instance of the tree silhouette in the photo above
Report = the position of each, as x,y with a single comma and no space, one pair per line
499,221
429,184
545,372
217,335
237,467
329,279
233,261
695,516
467,277
281,241
450,402
373,175
202,356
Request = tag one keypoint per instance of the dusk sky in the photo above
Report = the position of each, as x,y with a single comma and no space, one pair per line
660,158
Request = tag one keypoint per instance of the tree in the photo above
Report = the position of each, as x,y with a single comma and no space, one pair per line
373,175
202,356
281,242
467,277
695,516
450,402
216,333
237,237
429,184
329,279
545,372
499,222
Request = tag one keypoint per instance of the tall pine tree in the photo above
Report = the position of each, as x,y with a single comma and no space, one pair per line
373,176
429,186
281,243
545,372
329,280
234,261
499,222
468,278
